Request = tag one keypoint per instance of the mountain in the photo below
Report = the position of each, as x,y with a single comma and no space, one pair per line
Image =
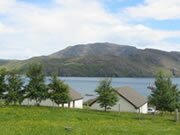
103,60
101,49
2,62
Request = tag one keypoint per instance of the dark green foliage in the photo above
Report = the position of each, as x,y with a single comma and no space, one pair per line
2,82
165,96
14,91
107,96
36,88
59,91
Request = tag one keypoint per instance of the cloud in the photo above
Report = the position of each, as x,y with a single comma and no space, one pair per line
6,5
155,9
5,29
29,30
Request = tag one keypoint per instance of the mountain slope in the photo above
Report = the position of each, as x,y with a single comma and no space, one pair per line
104,59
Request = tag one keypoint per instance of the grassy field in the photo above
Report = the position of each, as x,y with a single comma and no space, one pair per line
16,120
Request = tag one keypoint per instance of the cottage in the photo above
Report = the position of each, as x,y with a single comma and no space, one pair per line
129,101
76,101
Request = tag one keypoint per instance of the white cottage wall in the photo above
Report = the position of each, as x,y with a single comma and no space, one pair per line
124,105
144,108
48,102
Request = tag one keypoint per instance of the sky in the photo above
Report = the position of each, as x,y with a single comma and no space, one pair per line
31,28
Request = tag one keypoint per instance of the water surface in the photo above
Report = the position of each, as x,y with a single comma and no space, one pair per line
87,85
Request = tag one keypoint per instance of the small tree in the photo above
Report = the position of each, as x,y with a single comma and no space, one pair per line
14,89
2,82
36,88
59,91
107,96
165,95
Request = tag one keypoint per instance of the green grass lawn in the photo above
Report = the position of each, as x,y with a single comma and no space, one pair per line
16,120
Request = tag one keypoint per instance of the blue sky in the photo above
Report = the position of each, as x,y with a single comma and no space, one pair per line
116,5
40,27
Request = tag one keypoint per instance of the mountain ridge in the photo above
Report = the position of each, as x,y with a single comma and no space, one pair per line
91,49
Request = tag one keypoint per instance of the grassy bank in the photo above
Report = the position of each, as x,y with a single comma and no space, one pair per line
54,121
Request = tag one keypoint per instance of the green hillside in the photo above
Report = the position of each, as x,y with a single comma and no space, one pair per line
102,60
57,121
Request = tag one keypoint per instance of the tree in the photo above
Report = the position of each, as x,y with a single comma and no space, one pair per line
14,90
36,88
107,96
59,91
165,95
2,82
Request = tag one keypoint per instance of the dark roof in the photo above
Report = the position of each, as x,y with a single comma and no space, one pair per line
74,94
132,96
90,101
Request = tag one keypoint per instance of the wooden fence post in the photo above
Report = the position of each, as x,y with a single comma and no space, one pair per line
177,115
139,113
